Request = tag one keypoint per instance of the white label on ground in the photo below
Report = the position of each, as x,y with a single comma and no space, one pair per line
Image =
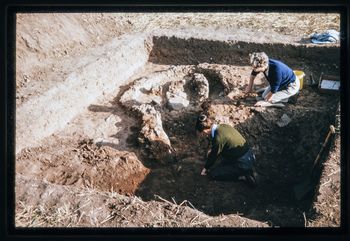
330,84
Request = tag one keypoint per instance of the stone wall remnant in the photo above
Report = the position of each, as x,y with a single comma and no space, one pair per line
152,135
201,85
145,97
176,95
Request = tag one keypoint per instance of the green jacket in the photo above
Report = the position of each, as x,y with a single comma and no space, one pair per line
228,143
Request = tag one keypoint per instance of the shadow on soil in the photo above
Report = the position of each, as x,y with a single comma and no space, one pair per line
284,157
284,154
128,125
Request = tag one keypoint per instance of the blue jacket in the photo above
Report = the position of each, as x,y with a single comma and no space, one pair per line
279,75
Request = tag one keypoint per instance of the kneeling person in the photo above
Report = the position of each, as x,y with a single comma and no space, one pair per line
237,158
283,83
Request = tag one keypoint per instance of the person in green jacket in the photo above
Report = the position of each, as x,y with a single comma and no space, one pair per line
227,144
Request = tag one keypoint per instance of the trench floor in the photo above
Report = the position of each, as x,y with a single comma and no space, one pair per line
284,157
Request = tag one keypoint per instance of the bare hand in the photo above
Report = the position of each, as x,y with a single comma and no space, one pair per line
268,96
261,103
204,172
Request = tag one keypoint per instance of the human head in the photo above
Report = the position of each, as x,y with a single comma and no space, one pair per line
259,61
203,123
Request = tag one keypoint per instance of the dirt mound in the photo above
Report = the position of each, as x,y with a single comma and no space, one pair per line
83,165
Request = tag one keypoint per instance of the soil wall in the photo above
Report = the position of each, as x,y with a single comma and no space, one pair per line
175,50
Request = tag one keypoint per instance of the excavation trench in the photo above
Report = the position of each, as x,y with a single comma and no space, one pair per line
284,154
158,152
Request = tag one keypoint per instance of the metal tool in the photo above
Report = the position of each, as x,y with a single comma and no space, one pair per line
303,188
313,81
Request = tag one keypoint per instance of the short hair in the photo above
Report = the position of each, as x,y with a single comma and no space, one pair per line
259,59
203,122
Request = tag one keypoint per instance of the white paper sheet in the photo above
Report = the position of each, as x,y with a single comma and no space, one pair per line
330,84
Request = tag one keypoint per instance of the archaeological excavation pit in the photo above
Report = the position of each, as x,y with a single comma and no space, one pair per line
154,150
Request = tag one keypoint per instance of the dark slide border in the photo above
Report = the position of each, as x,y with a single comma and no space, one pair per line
7,88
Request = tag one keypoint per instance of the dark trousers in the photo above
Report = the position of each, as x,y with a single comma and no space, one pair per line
230,170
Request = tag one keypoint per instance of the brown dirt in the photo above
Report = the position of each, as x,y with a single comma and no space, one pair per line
104,163
282,162
83,165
